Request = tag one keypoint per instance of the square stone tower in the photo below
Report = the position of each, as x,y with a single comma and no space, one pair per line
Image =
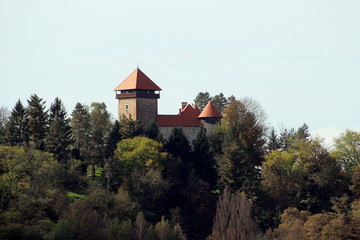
137,97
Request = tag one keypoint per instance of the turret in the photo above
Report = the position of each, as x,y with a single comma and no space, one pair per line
209,116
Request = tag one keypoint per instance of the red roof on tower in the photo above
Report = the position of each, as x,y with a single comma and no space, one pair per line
137,80
210,111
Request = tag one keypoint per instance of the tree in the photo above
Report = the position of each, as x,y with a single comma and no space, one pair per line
347,150
152,131
202,99
100,128
220,102
81,132
139,153
16,127
233,218
4,116
129,127
38,121
280,178
178,145
113,138
203,159
59,137
273,141
305,177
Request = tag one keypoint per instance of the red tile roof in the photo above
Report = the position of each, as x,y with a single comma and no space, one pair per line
210,111
137,80
188,117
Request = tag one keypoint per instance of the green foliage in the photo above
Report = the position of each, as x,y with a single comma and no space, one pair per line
202,99
203,159
305,177
100,128
347,150
38,121
152,131
58,139
140,153
113,138
129,127
16,127
178,145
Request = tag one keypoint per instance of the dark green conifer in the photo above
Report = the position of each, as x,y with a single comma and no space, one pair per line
38,121
59,135
203,159
16,127
130,128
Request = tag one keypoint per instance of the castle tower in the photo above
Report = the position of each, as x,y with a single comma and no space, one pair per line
137,96
209,116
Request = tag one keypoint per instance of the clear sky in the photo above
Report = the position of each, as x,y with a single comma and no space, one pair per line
299,59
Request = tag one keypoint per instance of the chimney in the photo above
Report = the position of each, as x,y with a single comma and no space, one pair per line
183,105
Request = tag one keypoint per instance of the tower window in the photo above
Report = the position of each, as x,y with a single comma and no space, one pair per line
127,107
147,107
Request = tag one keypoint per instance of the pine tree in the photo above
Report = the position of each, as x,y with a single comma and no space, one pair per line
152,131
16,127
203,159
113,138
273,141
59,136
178,145
81,133
38,121
130,128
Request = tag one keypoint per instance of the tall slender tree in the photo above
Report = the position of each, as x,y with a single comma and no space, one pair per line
38,121
203,159
59,136
130,128
16,127
100,128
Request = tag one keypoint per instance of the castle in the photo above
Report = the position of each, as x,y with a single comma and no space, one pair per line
137,97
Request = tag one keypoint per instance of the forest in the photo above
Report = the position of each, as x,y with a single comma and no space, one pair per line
83,175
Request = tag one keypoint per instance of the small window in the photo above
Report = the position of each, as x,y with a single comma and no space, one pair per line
147,107
127,107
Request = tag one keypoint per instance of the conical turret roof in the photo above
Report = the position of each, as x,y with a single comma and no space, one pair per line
137,80
210,111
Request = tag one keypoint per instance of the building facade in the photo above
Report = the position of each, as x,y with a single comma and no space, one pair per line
137,97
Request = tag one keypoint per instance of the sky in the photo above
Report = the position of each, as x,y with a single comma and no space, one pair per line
300,60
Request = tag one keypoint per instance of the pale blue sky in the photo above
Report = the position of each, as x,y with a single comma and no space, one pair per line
299,59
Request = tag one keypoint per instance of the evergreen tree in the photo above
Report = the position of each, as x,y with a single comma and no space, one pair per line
152,131
202,99
16,127
113,138
130,128
178,145
38,121
203,159
273,141
59,136
81,133
220,102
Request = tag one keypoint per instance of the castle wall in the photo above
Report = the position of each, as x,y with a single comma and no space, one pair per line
190,132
